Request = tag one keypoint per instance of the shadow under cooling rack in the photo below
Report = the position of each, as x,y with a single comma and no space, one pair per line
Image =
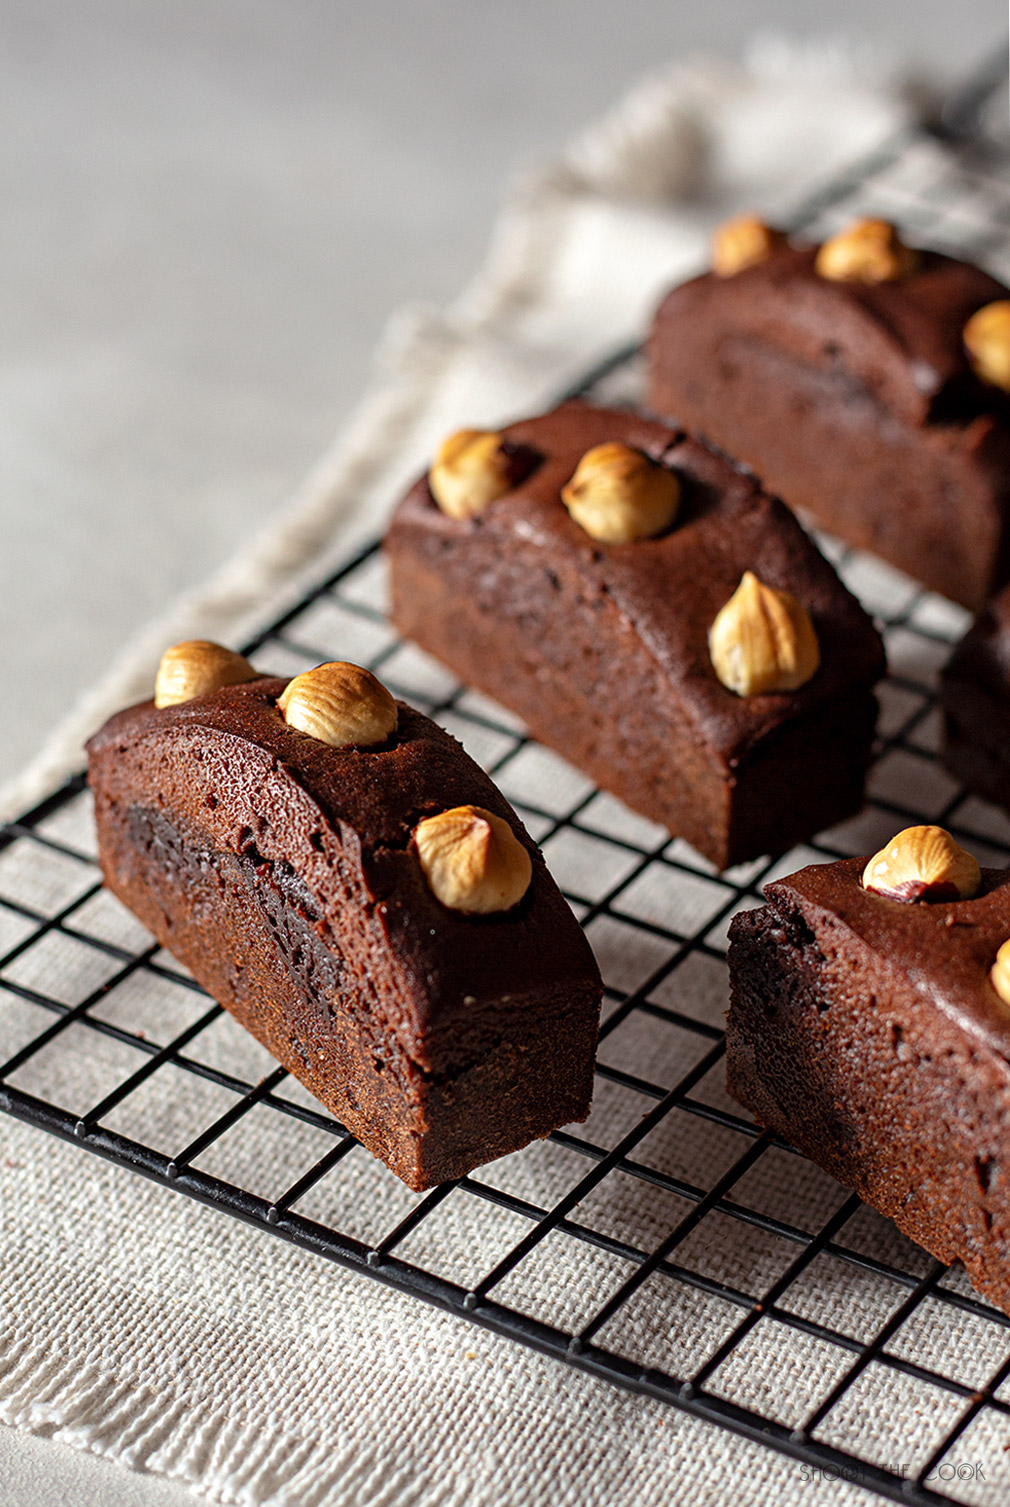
666,1245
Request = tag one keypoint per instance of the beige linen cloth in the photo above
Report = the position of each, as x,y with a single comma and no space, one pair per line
139,1325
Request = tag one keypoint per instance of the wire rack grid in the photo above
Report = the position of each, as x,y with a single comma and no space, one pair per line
676,1250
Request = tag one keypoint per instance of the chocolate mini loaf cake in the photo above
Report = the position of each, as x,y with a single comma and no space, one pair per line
863,381
870,1026
337,872
650,613
975,697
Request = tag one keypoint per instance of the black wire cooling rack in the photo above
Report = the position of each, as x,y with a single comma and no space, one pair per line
758,1294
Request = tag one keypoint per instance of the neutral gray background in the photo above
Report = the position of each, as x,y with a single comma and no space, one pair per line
209,209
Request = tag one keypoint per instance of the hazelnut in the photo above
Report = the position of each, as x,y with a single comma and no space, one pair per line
197,667
999,973
340,704
741,243
922,863
867,251
470,470
473,861
763,640
987,341
618,495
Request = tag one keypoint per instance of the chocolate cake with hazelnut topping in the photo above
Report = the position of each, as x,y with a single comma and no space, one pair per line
864,381
338,873
650,613
869,1025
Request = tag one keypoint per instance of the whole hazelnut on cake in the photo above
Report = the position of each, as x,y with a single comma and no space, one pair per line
619,495
923,863
340,704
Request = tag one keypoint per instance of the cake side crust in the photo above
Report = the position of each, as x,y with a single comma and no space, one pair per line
840,1053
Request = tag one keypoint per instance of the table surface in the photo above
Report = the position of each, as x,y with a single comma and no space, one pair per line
211,208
